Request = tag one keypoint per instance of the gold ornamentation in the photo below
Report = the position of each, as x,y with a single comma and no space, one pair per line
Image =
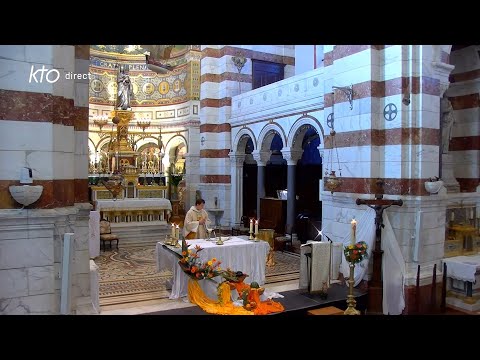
164,87
350,298
148,88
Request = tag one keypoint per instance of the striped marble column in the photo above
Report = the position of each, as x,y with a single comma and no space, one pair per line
220,80
43,126
391,132
463,94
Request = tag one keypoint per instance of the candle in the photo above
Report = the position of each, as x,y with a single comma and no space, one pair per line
177,231
173,230
452,216
116,162
256,226
251,225
354,229
471,213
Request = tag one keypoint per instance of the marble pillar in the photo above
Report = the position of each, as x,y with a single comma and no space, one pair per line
237,160
261,157
292,156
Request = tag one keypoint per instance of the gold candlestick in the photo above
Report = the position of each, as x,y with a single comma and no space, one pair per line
350,298
251,235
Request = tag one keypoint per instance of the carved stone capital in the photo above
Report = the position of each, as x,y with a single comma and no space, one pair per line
292,156
261,157
237,159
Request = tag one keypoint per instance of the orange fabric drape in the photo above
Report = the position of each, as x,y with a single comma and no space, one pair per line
223,306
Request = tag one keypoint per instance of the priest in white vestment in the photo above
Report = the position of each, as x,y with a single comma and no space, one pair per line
196,221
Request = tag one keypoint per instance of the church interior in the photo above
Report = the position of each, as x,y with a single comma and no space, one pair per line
321,179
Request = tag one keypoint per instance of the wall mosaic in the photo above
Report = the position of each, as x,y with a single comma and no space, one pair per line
149,88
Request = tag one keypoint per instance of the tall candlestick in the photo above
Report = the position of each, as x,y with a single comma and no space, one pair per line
471,213
251,225
173,230
452,216
256,226
177,231
354,229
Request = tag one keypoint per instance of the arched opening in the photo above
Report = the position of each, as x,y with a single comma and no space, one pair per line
249,179
276,169
308,176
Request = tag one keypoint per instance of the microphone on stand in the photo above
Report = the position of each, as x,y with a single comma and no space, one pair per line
321,233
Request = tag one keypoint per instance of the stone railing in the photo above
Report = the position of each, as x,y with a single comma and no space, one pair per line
303,92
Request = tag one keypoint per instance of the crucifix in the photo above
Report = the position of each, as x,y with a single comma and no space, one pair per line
375,287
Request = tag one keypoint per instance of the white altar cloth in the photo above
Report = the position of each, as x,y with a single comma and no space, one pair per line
143,204
237,254
463,267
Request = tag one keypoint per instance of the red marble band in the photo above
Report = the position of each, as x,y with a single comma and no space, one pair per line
215,179
382,137
250,54
342,51
81,190
465,76
392,186
468,184
465,101
465,143
397,86
56,193
216,103
42,107
214,128
218,78
214,153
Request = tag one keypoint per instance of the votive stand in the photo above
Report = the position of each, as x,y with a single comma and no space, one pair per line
350,298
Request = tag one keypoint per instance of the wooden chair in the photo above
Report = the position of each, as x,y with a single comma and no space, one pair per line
106,234
240,228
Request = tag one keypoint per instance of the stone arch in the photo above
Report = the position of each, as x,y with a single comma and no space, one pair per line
174,141
300,127
267,134
103,141
241,140
93,144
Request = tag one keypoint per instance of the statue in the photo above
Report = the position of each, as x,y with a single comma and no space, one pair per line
448,120
125,89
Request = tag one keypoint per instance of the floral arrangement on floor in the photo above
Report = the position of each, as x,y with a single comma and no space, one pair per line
355,253
191,264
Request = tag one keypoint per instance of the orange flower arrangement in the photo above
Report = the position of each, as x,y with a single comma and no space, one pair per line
191,264
355,253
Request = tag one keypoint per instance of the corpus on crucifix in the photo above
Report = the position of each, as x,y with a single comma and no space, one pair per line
375,287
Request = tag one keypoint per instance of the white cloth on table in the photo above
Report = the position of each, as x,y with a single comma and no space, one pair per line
463,267
315,269
154,204
237,254
94,234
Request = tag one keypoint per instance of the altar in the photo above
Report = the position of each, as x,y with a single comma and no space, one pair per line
463,285
127,210
237,253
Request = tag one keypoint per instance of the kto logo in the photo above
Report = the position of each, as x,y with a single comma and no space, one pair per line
51,75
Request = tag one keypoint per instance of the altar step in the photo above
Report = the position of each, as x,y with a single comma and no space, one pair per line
141,233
